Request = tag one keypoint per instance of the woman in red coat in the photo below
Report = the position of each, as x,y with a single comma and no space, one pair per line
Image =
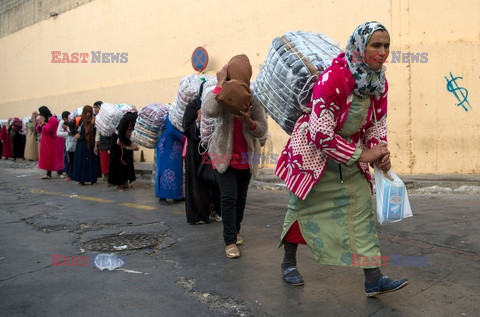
7,149
51,146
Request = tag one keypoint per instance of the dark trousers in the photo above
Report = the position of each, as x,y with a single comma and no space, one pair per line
233,185
71,158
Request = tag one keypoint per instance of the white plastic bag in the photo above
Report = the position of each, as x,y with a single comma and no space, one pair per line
391,195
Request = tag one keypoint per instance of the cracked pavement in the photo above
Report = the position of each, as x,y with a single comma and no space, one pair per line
186,273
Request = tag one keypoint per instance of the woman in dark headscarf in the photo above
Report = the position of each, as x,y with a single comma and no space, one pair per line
86,166
51,146
17,137
325,164
121,169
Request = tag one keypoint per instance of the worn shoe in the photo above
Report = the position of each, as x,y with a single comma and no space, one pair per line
215,217
47,177
61,176
292,276
163,202
384,286
239,240
232,252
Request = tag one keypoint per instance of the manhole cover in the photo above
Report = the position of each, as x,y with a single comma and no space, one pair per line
117,243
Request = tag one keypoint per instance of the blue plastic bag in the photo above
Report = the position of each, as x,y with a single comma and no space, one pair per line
391,196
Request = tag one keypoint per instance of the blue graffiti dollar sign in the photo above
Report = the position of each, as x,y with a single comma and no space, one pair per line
459,92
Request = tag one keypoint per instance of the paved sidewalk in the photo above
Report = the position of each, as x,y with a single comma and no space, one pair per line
426,183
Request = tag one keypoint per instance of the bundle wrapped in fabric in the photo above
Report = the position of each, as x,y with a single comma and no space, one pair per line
293,64
187,91
108,118
150,122
208,124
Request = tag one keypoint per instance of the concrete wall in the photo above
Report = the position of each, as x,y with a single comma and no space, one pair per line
429,131
18,14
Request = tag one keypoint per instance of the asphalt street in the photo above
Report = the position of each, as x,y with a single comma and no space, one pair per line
176,269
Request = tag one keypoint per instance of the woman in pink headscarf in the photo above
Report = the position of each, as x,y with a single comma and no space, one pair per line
7,150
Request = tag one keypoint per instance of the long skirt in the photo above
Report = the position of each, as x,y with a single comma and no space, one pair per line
86,165
31,146
337,219
121,167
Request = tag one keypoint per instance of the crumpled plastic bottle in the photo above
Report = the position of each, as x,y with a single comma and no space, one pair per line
109,261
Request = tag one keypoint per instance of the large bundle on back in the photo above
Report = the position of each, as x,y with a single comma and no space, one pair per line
293,64
149,123
187,91
207,124
109,117
77,112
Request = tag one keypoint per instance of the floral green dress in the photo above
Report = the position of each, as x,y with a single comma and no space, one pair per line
336,219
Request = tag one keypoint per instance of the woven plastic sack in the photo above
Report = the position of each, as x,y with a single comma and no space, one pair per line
207,124
77,112
126,108
150,122
293,64
108,118
187,91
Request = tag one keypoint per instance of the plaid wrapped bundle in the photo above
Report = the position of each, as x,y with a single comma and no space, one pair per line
108,118
293,64
187,91
149,124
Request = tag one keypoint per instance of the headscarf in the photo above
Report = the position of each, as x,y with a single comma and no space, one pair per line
367,80
88,125
235,95
127,123
16,124
44,111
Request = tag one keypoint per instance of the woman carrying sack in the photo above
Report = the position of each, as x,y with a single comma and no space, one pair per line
325,164
240,124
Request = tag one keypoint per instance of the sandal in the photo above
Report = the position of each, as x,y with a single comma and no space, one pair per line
47,177
232,252
239,240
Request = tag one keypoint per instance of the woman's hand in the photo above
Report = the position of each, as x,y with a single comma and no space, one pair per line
246,119
384,163
95,150
222,76
379,154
